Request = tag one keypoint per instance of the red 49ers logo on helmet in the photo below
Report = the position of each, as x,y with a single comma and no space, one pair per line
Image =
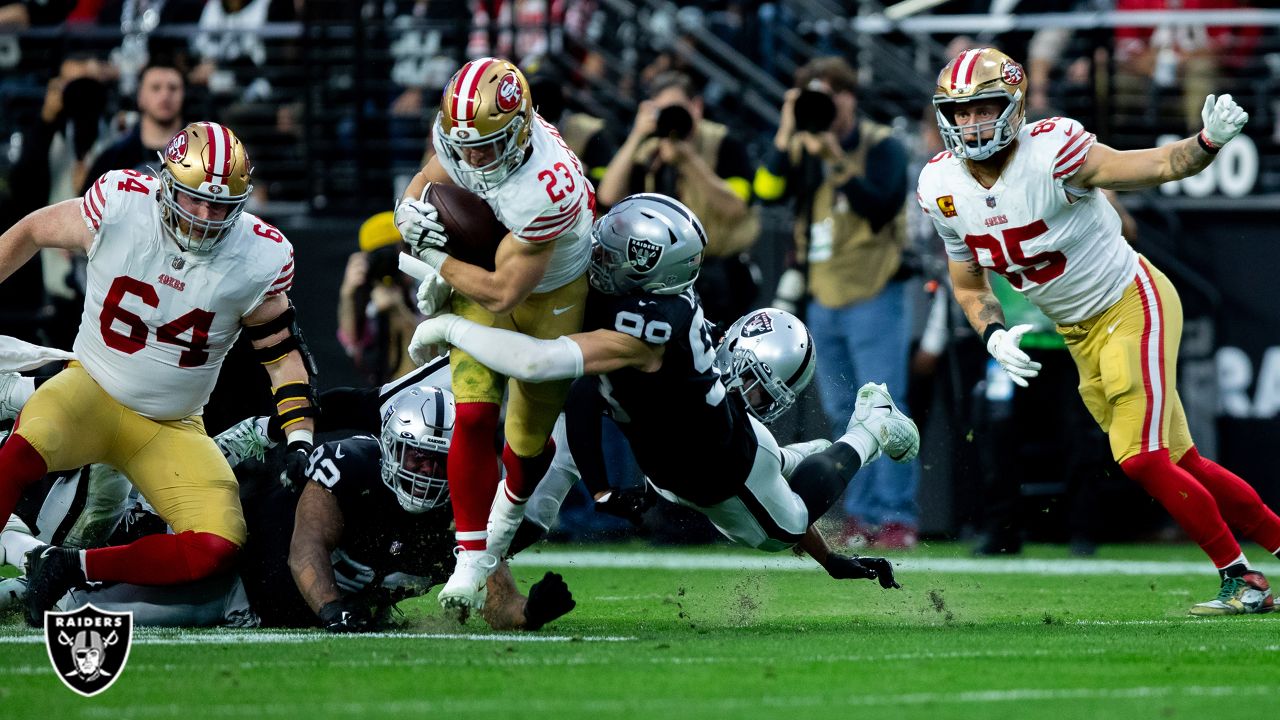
1011,72
509,93
177,150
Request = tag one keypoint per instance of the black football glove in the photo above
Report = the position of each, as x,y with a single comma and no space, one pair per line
549,598
296,459
340,616
842,567
629,504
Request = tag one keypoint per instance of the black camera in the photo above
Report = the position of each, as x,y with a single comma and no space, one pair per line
815,111
674,122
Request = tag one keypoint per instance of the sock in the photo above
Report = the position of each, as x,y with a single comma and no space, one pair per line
820,479
1236,568
14,547
473,472
524,473
1239,503
1190,504
861,440
20,466
161,559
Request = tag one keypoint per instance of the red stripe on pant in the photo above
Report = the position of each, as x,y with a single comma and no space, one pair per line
473,470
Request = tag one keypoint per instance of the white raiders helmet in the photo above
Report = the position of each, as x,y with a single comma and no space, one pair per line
416,431
647,242
767,356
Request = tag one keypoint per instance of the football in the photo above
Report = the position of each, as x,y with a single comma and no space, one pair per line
474,231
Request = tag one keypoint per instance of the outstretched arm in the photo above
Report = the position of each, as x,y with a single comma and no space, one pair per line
1113,169
533,360
56,226
317,529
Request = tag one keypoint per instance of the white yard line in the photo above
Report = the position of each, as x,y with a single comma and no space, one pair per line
763,561
403,708
151,636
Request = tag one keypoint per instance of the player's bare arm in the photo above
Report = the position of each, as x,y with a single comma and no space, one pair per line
843,567
518,268
974,295
1113,169
533,360
317,528
432,172
56,226
504,610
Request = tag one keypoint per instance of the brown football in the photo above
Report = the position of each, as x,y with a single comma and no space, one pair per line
474,231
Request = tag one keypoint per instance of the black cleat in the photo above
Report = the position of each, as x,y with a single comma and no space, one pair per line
51,572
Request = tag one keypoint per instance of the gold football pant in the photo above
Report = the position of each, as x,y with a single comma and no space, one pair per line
532,408
1128,357
71,421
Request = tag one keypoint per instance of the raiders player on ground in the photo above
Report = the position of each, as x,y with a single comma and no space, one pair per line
650,352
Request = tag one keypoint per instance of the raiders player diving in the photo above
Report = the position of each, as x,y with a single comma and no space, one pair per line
647,361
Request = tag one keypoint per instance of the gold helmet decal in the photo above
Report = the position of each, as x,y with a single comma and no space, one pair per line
485,121
980,74
206,178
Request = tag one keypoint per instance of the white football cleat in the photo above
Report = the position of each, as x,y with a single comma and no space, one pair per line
10,406
467,587
13,593
246,439
504,519
895,433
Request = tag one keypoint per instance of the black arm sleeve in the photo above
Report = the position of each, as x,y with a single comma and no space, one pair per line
878,195
583,414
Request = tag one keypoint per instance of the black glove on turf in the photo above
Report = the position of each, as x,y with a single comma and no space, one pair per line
339,616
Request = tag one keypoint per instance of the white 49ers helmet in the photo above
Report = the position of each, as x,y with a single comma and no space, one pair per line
485,122
767,356
981,74
208,164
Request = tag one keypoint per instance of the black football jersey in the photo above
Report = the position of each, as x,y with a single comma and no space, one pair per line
377,531
687,436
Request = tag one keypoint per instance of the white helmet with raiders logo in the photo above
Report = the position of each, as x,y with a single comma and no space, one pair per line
980,74
206,163
416,431
647,242
767,356
485,122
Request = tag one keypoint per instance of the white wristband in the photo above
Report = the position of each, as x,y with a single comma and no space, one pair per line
299,435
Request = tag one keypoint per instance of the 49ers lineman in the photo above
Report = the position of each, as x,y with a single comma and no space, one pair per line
176,270
1024,201
489,140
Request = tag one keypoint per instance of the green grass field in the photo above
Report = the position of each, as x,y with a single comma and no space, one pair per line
665,634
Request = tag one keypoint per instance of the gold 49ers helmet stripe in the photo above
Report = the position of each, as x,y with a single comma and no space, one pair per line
467,90
964,67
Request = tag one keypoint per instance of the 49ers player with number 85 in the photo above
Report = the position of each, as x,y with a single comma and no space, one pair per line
1026,202
489,140
176,270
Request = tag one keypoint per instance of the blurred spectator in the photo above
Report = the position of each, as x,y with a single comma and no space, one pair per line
137,21
1187,58
160,93
583,133
673,150
376,314
525,30
847,179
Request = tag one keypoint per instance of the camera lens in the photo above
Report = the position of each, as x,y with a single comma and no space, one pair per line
815,111
674,122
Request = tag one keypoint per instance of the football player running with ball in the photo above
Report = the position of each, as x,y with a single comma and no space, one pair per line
489,140
648,349
176,270
1025,201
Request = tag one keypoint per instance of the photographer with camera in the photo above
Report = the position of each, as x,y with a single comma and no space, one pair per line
376,308
847,179
674,151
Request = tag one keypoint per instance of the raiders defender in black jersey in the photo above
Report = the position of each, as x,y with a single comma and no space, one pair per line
370,527
646,342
